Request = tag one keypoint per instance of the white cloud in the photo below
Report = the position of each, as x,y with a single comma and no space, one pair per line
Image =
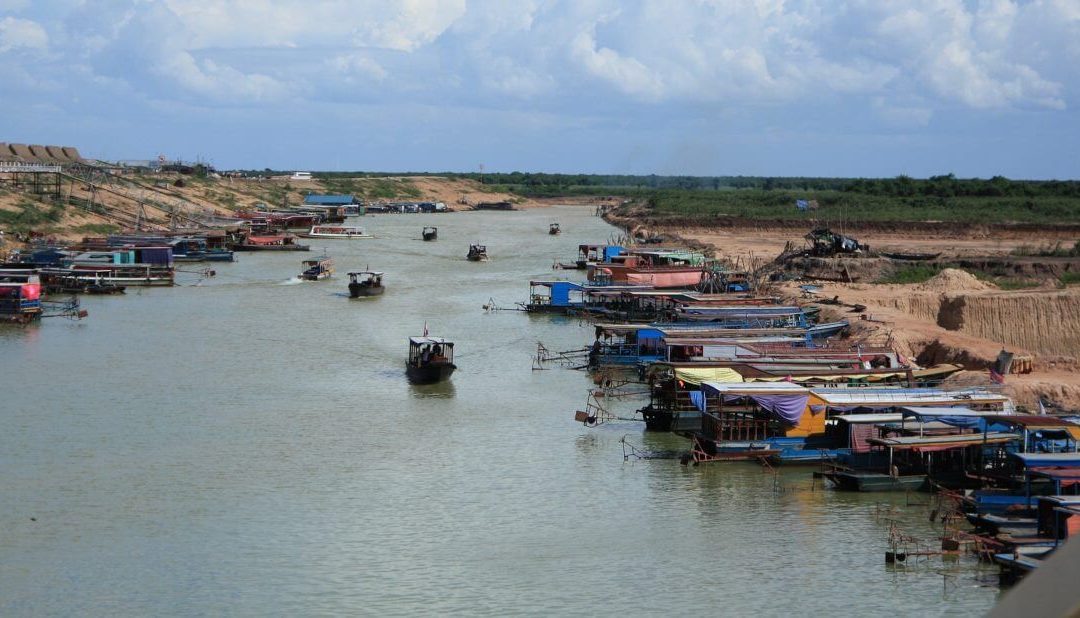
575,56
22,35
357,65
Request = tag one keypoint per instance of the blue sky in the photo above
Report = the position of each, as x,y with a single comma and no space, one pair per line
755,87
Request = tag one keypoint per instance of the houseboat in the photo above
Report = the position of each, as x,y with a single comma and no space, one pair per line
274,242
138,266
431,359
336,231
792,420
477,253
20,296
430,233
594,254
196,250
318,268
365,283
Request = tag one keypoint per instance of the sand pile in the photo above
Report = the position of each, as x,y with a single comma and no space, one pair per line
952,281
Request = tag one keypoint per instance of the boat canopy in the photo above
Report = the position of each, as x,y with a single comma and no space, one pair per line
786,401
872,418
926,444
1067,477
984,421
431,340
695,375
1048,460
1033,422
884,398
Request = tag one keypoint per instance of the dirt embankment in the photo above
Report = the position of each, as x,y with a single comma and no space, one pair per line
736,236
956,318
155,201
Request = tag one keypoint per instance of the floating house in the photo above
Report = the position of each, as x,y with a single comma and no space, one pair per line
335,207
20,296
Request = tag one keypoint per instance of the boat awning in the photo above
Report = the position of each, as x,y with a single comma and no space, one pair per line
1068,477
423,340
753,388
886,398
698,375
714,341
550,282
937,370
865,419
952,416
785,400
927,444
1038,422
1048,460
839,376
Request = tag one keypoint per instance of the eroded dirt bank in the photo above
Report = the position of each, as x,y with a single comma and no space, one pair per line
953,317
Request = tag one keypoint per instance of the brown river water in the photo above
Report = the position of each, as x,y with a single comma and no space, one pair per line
249,445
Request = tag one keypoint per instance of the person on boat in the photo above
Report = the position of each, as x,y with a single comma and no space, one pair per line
437,355
425,356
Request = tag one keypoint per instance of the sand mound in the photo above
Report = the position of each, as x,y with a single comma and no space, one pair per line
952,280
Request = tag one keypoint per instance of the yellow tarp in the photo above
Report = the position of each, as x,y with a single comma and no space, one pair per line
707,374
869,377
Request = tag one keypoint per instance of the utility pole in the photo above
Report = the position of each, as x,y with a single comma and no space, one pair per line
481,173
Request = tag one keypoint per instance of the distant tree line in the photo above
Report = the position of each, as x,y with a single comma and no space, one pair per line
945,186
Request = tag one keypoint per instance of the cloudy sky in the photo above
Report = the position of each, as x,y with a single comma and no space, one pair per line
757,87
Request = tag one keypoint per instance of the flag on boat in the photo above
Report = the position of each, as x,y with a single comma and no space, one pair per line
425,328
996,377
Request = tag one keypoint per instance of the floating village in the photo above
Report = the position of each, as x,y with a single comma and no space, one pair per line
683,343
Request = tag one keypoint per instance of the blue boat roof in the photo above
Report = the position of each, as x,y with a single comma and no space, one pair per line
329,200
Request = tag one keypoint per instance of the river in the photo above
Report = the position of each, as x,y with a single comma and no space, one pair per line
249,445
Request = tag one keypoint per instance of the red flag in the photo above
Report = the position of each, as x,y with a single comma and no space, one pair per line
996,377
425,328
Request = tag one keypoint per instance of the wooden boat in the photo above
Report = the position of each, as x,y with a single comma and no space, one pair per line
430,233
119,274
477,253
276,242
862,480
431,359
553,229
336,231
365,283
318,268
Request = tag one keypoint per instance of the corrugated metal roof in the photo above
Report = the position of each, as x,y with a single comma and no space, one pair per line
328,199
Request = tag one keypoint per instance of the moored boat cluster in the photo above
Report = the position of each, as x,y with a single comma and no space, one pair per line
746,376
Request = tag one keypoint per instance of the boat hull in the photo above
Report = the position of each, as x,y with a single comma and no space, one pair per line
363,291
430,373
875,481
271,248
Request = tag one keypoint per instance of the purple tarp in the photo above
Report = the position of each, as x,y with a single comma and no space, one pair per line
788,408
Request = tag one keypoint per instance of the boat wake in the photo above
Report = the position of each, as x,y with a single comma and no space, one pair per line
292,281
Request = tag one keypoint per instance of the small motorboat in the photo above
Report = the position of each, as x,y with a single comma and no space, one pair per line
431,360
365,283
477,253
554,229
430,233
318,268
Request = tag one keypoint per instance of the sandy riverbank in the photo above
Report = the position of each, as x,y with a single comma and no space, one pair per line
953,317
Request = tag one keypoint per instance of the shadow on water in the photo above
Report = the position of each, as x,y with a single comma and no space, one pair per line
439,390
